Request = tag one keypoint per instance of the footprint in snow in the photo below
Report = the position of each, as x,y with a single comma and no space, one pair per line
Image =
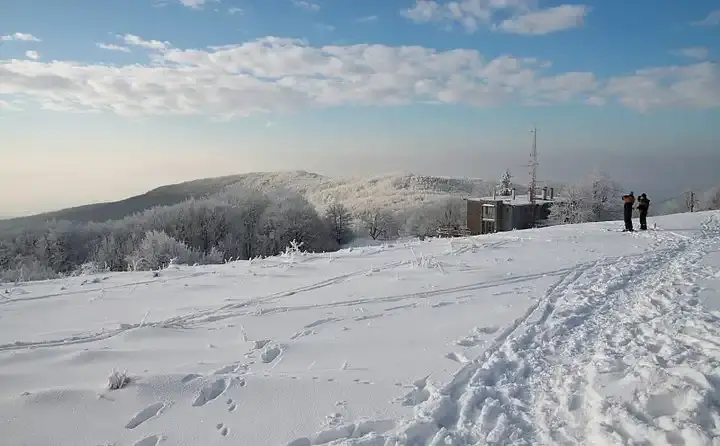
211,391
232,368
151,411
231,405
152,440
270,353
222,429
189,377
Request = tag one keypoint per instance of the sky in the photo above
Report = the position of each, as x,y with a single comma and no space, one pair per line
104,99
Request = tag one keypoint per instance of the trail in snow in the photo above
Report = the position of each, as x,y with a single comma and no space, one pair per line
617,352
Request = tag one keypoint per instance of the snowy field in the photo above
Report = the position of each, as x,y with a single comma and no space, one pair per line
574,335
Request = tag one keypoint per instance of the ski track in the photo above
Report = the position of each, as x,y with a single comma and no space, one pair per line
105,288
231,310
543,379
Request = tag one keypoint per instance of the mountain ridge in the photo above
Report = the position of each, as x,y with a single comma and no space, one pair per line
384,190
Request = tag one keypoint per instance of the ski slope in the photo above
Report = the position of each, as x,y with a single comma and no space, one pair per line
573,335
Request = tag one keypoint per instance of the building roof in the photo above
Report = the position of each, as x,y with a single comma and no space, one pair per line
520,200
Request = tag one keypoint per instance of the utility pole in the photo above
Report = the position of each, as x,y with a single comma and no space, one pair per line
533,176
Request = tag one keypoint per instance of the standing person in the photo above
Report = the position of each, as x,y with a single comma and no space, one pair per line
643,206
629,201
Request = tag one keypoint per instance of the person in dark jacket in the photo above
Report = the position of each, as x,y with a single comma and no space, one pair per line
643,206
629,201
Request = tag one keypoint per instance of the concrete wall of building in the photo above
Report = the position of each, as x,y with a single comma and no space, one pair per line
474,216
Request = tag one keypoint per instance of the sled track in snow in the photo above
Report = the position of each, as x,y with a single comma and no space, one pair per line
540,380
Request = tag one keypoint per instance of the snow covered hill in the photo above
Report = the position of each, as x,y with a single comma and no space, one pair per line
397,191
572,335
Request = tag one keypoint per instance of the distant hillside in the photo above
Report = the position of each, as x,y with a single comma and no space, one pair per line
100,212
393,191
708,199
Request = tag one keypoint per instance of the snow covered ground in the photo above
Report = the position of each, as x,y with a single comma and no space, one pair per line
568,335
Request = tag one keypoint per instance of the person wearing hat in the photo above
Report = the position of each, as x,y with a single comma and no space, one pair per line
629,201
643,206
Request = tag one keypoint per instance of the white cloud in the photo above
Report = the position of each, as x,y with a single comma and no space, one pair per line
233,11
684,87
34,55
367,19
518,16
693,52
113,47
131,39
712,19
24,37
324,27
546,21
309,6
277,74
195,4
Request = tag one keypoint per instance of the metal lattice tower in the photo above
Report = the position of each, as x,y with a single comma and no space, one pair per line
532,189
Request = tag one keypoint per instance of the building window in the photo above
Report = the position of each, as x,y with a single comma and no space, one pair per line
488,211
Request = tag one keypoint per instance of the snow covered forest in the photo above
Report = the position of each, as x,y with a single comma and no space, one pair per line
261,215
238,223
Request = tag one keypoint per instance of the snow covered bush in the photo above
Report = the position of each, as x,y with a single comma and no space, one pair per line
158,249
118,380
27,271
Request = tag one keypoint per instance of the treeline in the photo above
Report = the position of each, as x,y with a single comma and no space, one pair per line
211,230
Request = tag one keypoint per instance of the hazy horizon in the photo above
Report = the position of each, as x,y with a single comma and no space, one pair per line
103,102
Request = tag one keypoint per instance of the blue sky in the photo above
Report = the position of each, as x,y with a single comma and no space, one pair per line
120,88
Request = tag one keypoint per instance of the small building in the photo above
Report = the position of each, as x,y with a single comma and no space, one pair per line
504,213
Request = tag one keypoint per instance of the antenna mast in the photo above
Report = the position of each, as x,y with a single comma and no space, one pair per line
533,175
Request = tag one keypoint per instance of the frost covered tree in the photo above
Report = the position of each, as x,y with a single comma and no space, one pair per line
572,205
713,202
110,254
339,221
605,197
379,223
596,199
293,219
506,184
